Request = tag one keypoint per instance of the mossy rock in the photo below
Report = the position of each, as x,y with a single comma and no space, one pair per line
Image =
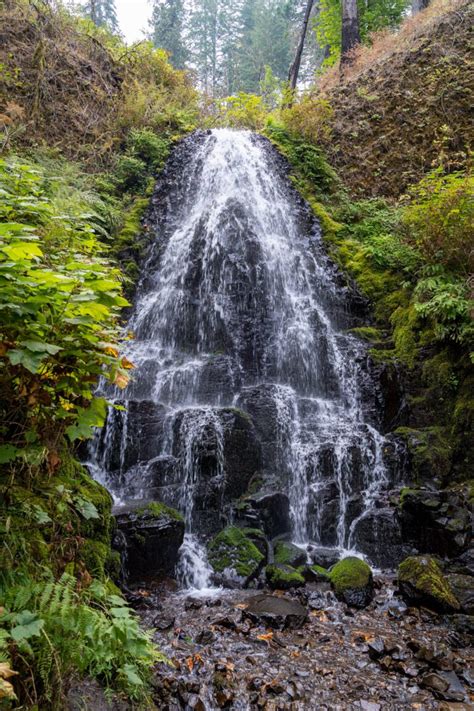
157,509
289,554
352,581
422,582
313,573
283,577
234,553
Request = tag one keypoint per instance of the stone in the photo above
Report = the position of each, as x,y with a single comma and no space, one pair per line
288,554
234,555
205,637
152,534
376,648
422,582
275,612
324,557
463,588
283,577
352,581
378,535
273,511
435,682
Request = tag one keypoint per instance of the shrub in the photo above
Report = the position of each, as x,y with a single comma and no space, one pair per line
148,147
131,174
439,221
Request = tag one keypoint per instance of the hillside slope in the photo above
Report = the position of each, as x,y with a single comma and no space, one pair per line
405,102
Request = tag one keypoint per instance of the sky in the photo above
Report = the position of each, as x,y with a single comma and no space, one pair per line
133,17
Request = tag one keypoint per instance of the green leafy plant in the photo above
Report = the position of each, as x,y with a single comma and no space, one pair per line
60,301
54,629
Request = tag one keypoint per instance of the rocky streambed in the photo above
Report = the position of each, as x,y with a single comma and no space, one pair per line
304,649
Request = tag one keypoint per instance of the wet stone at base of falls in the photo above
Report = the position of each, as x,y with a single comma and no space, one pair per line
277,612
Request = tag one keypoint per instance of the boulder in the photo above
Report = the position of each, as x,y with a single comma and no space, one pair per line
151,535
378,535
276,612
283,577
273,510
437,522
352,581
463,588
324,557
235,556
422,582
289,554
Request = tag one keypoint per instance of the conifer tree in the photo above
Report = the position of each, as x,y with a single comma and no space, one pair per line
167,30
103,13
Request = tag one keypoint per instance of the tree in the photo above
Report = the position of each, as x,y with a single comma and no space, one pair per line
167,24
350,35
418,5
295,67
103,13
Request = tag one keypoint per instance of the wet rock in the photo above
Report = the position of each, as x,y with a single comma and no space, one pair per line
435,682
463,588
324,557
153,534
205,637
376,648
422,582
273,510
369,705
435,522
289,554
276,612
234,555
463,630
283,577
352,581
378,535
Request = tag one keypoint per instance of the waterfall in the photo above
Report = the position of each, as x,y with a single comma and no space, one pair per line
239,311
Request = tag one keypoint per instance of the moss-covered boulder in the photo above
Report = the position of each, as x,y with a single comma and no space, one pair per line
283,577
352,581
289,554
234,555
422,582
152,534
463,588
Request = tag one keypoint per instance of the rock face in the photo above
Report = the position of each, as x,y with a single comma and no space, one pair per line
151,535
235,556
288,554
422,581
437,522
352,581
276,612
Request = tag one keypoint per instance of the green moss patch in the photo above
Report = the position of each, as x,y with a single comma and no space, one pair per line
422,581
159,510
283,577
288,554
233,549
350,574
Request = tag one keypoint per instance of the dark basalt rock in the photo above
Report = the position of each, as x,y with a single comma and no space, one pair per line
276,612
272,510
378,535
153,534
463,587
283,577
324,557
289,554
437,522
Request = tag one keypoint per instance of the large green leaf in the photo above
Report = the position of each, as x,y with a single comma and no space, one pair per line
28,625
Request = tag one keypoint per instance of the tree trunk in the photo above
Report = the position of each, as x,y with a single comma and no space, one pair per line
350,28
295,67
418,5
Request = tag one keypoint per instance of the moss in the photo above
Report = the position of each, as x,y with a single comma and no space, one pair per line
159,510
367,333
404,493
423,579
320,570
287,553
94,555
113,564
430,451
283,577
231,548
350,574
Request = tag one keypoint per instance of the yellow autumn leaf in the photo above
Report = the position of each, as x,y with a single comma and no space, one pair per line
121,380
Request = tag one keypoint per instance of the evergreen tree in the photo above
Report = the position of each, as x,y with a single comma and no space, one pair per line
167,29
103,13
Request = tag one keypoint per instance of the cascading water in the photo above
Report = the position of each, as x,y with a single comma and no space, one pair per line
244,363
